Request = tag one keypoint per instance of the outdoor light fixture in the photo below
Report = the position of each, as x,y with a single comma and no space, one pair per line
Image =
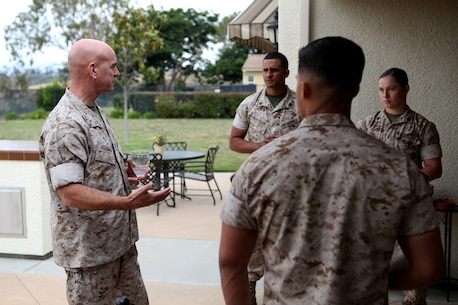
272,29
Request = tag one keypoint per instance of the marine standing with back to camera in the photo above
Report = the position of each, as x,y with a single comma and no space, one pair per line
262,117
402,128
93,221
328,202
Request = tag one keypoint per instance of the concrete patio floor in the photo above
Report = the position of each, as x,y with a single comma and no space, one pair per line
178,255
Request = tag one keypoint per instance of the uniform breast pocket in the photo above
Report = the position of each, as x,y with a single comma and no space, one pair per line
258,129
104,156
102,169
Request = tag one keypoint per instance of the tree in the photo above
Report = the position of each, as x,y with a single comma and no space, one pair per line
16,81
131,32
5,85
5,82
186,34
135,38
47,97
59,23
221,29
9,86
232,56
228,67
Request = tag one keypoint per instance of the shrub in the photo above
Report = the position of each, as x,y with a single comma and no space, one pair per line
230,102
142,101
182,104
138,101
47,97
37,114
117,113
209,105
186,110
149,115
134,115
166,107
118,101
11,116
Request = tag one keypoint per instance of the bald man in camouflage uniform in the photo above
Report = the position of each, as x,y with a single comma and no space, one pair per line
402,128
328,202
262,117
93,222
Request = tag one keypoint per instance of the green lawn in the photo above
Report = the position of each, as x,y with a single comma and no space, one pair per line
200,134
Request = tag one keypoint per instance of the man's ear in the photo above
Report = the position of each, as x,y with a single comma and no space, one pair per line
92,69
304,90
303,95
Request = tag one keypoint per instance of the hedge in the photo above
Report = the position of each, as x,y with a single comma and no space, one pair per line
182,104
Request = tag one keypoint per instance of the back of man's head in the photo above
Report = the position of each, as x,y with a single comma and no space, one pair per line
336,60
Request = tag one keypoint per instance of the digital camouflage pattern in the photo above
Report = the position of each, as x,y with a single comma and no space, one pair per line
411,133
414,297
79,146
257,115
417,137
104,282
329,202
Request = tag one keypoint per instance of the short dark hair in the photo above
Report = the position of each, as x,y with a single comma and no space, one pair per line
398,74
337,60
278,55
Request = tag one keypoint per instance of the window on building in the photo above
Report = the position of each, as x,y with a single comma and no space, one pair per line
250,79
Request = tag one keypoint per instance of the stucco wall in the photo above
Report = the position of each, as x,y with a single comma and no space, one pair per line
419,36
31,176
292,33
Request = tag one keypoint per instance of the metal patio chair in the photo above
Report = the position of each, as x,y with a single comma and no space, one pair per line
200,171
176,166
160,176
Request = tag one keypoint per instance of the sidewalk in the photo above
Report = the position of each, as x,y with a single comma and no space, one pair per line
178,256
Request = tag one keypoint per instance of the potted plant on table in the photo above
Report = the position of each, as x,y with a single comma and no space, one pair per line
159,142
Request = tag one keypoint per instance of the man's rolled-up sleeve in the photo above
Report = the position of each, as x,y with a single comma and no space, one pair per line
235,214
67,173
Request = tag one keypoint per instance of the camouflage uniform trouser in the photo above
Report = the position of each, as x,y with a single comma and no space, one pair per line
101,285
256,265
414,297
411,297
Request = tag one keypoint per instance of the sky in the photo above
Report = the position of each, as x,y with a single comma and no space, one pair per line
53,56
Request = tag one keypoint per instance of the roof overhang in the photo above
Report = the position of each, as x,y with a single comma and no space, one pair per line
250,27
